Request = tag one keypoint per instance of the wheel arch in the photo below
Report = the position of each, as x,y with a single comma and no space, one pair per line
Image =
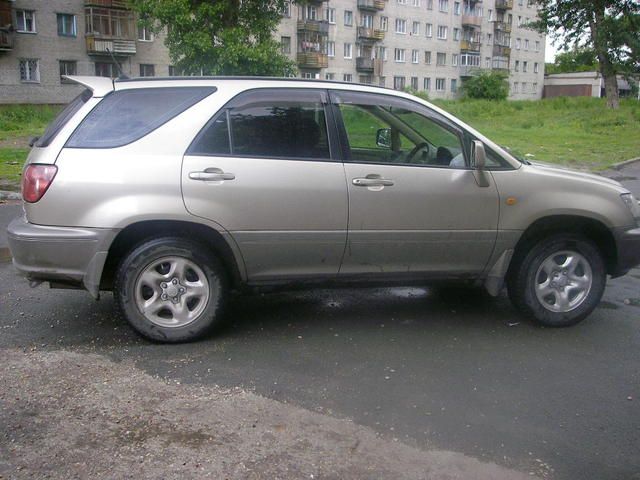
136,233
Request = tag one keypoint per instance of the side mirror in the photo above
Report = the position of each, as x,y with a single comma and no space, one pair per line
383,138
478,160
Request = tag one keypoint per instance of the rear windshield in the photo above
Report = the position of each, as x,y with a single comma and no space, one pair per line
63,117
128,115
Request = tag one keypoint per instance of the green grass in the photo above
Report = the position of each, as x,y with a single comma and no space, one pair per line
577,132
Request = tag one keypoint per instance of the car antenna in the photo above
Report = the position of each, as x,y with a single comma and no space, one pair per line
121,74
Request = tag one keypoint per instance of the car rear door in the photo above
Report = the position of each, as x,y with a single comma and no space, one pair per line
265,168
415,208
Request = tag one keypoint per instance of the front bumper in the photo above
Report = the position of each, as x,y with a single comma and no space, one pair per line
68,255
628,248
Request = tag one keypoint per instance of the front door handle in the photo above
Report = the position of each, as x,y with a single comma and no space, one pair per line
211,175
371,181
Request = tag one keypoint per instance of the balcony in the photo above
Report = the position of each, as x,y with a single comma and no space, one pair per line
319,26
470,46
102,46
6,40
312,60
503,27
107,3
501,51
471,21
504,4
371,5
366,33
364,64
468,71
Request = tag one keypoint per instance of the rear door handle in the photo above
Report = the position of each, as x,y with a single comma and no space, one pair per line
372,182
211,175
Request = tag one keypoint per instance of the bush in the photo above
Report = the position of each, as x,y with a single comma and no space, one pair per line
418,93
487,85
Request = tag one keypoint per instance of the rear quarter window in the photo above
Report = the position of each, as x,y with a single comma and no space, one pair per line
63,117
128,115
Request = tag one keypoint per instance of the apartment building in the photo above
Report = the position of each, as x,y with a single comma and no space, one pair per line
431,45
41,40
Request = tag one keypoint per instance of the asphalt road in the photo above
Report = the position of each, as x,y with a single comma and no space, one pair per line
436,369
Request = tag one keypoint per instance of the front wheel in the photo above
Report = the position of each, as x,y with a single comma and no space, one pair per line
171,290
560,281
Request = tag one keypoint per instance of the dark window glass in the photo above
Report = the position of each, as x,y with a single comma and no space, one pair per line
282,129
62,119
128,115
214,139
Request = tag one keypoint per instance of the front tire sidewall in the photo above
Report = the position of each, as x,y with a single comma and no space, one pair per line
132,266
530,268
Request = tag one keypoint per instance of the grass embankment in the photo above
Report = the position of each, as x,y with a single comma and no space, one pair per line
578,132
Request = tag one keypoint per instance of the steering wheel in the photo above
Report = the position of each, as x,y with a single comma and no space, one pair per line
415,151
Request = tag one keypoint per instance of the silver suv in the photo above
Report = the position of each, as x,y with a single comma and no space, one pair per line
173,192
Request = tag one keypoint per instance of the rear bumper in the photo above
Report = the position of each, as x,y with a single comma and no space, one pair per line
68,255
628,248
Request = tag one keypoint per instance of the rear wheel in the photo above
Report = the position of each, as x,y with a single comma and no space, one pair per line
171,290
560,281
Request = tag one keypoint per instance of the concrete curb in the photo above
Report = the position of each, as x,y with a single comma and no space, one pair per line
5,254
620,165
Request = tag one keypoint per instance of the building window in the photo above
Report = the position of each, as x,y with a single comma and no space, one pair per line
329,76
428,29
383,81
286,9
416,3
441,59
382,53
25,21
348,50
537,46
402,2
401,26
516,66
331,49
534,88
414,83
516,88
454,85
443,5
398,83
427,58
427,84
536,67
524,66
285,45
429,4
30,70
399,55
441,84
68,67
366,21
454,59
456,34
105,69
456,8
145,34
67,26
518,42
330,15
366,79
415,28
347,77
415,56
309,75
384,23
348,18
173,71
442,32
147,70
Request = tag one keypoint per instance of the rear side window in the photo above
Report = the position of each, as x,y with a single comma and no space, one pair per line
63,117
128,115
270,124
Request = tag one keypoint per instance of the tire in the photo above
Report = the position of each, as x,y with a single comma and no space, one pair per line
560,281
171,290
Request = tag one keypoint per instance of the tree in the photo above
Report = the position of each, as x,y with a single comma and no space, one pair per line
610,27
575,60
219,37
489,85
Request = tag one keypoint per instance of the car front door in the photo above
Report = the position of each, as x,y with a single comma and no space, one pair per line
415,207
264,168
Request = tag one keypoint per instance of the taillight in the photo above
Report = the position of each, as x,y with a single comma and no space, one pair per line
36,180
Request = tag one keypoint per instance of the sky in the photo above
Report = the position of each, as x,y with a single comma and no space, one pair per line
549,52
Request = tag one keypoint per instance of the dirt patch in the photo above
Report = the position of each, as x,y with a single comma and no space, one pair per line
70,415
15,142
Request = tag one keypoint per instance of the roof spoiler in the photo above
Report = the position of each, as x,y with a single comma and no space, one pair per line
100,86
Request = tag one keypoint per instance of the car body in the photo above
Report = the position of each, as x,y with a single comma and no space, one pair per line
292,182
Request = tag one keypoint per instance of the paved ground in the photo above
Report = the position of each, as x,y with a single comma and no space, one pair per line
379,383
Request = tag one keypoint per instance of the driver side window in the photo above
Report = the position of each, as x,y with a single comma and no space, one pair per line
381,129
